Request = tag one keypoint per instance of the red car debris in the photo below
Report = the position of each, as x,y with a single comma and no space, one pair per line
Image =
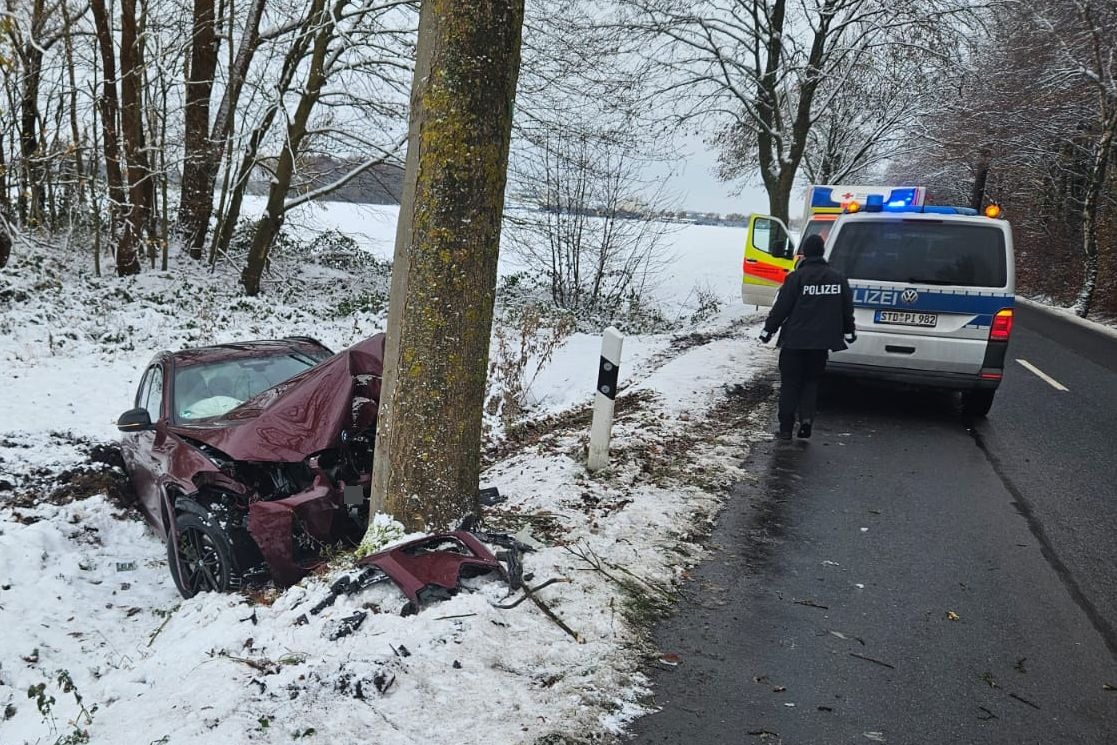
434,563
429,568
250,458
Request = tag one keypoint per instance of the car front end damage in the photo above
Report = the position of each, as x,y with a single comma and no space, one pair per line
286,473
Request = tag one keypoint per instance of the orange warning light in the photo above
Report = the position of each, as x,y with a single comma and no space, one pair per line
993,210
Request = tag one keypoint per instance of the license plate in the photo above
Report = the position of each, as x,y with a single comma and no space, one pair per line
904,318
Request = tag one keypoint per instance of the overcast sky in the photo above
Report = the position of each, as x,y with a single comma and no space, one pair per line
697,187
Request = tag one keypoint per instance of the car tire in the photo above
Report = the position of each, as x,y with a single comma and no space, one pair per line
977,403
205,556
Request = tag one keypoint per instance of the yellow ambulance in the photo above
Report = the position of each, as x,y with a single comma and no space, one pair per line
770,248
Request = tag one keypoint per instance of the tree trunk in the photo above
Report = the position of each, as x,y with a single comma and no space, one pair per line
75,131
428,440
768,136
5,242
193,221
131,127
32,192
199,87
980,179
1095,185
268,226
779,194
146,161
781,151
5,204
109,111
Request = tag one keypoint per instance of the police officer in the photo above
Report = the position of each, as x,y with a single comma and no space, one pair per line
814,308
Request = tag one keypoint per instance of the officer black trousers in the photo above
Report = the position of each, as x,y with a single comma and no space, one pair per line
800,371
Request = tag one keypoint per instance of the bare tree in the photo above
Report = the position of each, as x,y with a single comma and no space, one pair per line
132,130
762,71
196,186
885,91
428,440
334,51
1044,155
128,74
76,139
236,182
7,66
582,142
197,209
588,221
109,107
1085,32
33,29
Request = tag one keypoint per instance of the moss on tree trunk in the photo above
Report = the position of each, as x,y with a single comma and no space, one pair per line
429,437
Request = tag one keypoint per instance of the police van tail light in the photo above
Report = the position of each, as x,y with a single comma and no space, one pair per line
1002,325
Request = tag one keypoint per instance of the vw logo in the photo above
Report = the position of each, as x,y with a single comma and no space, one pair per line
909,296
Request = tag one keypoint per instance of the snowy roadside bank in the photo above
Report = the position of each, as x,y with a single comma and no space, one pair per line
231,669
99,647
1107,326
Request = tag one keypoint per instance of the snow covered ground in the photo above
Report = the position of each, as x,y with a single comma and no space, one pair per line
97,646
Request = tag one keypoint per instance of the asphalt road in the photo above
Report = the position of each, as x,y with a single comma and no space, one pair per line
906,577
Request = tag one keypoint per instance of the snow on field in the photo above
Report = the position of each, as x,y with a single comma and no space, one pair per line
702,257
97,646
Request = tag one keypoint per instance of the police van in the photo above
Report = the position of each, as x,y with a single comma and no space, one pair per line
933,292
770,256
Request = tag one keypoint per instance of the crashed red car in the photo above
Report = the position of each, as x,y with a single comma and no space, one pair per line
250,458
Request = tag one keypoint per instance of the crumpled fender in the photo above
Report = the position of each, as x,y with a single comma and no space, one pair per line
270,523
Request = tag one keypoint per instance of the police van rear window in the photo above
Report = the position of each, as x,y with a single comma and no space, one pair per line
922,252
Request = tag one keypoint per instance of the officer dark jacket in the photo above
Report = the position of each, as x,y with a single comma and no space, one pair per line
814,307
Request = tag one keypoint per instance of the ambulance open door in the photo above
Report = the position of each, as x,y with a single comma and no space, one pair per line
769,256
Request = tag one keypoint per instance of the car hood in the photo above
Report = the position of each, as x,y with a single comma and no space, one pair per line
300,416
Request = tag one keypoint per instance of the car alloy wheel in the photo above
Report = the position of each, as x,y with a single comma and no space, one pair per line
204,560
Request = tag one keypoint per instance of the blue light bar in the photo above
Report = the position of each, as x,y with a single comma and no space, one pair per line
939,210
877,205
901,198
874,203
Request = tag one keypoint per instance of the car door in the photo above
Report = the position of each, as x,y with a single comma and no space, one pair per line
769,257
139,448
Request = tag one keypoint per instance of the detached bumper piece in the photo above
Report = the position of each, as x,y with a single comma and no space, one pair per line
431,567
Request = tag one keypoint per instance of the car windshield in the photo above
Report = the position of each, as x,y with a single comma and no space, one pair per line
212,389
921,252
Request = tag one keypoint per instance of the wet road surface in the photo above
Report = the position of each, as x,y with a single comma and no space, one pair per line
907,577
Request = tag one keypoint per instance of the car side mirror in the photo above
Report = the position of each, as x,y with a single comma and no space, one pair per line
134,420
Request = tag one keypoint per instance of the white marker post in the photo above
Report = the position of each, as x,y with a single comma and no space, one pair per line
607,373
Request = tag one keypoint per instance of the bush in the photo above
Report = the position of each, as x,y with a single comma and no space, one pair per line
525,341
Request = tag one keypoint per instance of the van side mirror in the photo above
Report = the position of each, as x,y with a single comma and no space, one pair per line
134,420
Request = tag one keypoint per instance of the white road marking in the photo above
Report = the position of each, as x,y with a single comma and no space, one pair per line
1043,376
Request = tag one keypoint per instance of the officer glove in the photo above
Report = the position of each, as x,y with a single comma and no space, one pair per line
850,338
765,337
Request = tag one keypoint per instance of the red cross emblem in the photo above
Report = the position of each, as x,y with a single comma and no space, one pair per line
848,195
